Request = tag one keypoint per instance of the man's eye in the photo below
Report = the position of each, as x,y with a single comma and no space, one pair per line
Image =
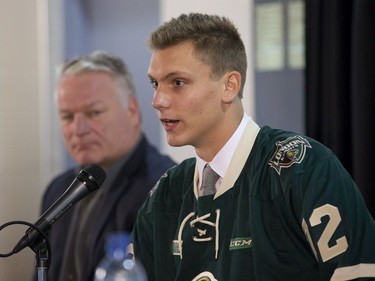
66,117
178,83
154,84
94,113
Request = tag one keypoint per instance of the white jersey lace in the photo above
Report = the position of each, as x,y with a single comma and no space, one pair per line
203,220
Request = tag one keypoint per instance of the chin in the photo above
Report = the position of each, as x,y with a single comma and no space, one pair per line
86,161
176,144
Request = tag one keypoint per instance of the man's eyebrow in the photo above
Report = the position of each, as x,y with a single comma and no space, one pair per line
90,105
171,74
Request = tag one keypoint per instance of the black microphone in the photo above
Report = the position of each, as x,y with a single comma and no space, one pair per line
88,180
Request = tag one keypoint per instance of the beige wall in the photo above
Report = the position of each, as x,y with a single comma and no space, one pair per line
25,125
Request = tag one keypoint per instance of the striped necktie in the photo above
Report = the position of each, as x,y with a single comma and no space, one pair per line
209,179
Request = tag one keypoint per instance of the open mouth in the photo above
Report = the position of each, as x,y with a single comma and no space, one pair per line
168,121
169,124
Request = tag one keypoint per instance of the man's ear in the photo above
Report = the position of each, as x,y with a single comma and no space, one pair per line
232,85
134,110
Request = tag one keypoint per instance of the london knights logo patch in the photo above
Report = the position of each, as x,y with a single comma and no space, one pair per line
288,152
205,276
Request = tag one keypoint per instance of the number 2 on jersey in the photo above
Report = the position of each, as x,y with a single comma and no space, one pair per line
326,251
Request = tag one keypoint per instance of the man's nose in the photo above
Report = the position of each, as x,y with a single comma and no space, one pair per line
161,100
81,125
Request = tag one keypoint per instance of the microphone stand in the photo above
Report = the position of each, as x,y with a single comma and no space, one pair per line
40,245
42,249
42,259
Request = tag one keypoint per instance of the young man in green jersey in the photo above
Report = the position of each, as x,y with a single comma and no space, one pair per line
284,206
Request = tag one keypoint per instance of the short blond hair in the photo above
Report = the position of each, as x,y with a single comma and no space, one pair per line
216,40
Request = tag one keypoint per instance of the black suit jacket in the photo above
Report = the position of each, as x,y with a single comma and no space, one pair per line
118,210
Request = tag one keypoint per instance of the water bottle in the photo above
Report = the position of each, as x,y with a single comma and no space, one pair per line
116,266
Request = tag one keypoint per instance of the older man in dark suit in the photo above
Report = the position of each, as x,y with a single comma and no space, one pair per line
101,124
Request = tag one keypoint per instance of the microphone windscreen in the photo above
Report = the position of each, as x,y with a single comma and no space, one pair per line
94,175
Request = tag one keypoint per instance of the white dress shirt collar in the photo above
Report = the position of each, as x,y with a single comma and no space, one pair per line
221,161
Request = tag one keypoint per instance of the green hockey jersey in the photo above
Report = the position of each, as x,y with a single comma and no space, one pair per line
288,211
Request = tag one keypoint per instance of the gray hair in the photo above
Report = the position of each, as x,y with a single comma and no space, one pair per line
106,62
